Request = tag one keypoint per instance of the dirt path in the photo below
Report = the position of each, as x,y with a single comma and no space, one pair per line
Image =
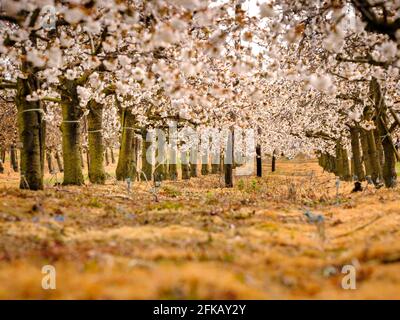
199,240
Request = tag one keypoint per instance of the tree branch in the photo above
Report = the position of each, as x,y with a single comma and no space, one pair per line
345,78
349,97
8,85
319,135
374,23
8,19
51,99
395,116
367,59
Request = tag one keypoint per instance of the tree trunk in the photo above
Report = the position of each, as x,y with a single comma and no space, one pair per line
365,152
71,134
96,148
322,160
59,162
273,164
215,168
355,148
172,169
346,165
379,147
222,163
87,159
376,169
228,160
327,166
82,160
31,129
106,158
126,167
194,162
50,162
215,163
352,169
1,161
71,137
14,158
185,166
147,156
332,164
389,167
3,155
339,160
112,155
160,170
134,168
204,164
136,149
373,156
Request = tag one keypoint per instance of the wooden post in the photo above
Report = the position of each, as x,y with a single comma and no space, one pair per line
258,160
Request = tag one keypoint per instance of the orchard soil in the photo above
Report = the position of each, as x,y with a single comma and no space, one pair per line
200,241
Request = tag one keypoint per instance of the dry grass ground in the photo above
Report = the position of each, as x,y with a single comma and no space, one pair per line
200,240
